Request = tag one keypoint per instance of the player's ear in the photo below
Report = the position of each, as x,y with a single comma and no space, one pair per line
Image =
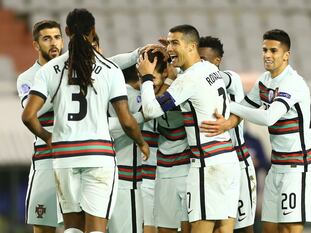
286,56
192,46
36,46
217,61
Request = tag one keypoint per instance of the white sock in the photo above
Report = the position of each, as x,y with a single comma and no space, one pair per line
97,232
73,230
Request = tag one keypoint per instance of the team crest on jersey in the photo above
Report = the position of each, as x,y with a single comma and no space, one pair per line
138,99
25,89
40,211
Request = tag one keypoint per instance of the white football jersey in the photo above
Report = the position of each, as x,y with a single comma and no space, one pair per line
41,157
235,92
129,159
173,156
81,134
151,136
290,136
199,91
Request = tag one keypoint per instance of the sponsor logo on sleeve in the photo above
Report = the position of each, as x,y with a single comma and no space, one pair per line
284,94
25,89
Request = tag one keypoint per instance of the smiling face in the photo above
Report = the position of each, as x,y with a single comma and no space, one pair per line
49,44
178,49
275,56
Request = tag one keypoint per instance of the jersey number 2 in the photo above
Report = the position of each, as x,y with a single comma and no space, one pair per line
82,107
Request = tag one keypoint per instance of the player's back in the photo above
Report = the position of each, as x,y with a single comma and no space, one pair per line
81,126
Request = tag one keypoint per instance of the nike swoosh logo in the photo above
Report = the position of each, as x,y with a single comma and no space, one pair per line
189,211
286,213
241,219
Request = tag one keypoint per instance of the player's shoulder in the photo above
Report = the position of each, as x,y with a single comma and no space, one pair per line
292,79
231,73
29,74
107,63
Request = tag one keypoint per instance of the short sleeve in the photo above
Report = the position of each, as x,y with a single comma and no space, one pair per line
253,97
288,94
118,88
40,86
23,89
182,88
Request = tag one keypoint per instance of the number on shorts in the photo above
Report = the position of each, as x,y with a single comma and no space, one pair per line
288,201
241,204
189,199
82,107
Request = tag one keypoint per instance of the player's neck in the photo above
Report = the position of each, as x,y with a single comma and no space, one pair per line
191,61
275,73
42,61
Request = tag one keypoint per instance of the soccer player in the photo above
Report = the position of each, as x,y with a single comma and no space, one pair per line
41,204
128,213
211,49
280,99
80,84
213,180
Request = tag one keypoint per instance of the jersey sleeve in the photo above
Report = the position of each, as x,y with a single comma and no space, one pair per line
125,60
23,89
288,94
151,107
41,83
182,89
266,117
252,98
118,87
235,87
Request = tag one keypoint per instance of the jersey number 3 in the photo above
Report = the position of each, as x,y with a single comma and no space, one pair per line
82,107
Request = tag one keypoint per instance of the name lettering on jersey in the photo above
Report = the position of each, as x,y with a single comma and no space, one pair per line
213,77
97,68
57,69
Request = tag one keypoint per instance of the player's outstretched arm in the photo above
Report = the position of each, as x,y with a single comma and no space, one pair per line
30,119
130,126
266,117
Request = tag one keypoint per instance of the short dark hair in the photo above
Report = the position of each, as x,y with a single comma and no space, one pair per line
130,74
278,35
213,43
43,24
190,32
161,62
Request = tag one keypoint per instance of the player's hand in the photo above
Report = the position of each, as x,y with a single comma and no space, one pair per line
48,140
144,66
144,148
213,128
